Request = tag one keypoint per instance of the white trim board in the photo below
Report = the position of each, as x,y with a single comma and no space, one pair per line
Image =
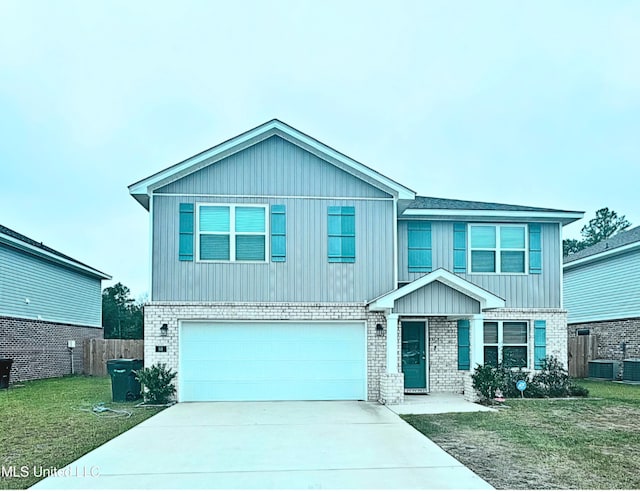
267,196
32,249
476,214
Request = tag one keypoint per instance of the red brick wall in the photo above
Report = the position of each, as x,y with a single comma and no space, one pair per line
39,348
611,334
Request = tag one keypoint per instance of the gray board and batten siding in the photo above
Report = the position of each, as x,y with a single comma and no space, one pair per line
276,172
273,167
436,298
518,290
33,288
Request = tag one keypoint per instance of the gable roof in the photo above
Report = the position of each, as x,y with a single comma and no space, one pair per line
24,243
423,206
142,189
621,242
487,299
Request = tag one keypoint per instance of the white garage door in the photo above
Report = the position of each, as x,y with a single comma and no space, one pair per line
244,361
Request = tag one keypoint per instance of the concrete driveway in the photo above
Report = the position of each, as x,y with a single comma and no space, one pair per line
269,445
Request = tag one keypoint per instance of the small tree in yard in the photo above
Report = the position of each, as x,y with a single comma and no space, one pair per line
157,383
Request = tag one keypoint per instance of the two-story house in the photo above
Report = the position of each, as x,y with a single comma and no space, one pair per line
50,304
602,294
282,269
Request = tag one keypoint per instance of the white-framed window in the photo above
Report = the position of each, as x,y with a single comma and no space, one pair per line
232,232
506,342
500,249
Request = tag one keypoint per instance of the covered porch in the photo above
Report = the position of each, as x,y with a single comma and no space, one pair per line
434,335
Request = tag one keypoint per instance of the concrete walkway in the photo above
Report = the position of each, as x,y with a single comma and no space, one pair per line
436,403
269,445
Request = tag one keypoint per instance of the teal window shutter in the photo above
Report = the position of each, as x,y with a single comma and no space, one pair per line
539,342
419,245
278,233
459,247
341,229
464,345
535,249
185,251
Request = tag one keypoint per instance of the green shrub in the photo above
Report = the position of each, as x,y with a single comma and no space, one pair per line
576,390
553,378
485,381
551,381
509,377
156,383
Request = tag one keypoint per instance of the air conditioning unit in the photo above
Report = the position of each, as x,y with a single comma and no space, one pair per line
631,370
604,369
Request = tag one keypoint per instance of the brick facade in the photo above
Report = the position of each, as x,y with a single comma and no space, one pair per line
158,313
382,386
611,335
443,346
443,356
39,348
391,389
556,327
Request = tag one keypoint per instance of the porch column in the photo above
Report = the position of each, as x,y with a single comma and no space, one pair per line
476,327
392,343
392,380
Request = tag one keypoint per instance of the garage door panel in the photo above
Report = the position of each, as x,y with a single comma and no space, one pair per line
284,370
269,350
264,391
272,361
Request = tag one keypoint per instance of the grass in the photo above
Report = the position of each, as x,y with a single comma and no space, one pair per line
586,443
43,424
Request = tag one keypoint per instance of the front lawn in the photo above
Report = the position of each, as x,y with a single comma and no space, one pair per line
42,424
591,443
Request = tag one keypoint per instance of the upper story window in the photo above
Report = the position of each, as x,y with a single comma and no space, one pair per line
419,246
498,248
232,232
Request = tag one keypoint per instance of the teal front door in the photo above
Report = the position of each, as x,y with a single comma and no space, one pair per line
414,357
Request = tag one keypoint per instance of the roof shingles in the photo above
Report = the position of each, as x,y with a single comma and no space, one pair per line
621,239
18,236
422,202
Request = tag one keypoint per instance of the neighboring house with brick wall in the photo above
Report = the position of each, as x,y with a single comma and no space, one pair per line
282,269
46,299
602,294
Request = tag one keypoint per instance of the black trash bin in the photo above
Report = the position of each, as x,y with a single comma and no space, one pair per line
5,371
124,385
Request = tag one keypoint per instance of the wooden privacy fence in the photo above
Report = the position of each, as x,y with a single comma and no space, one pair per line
582,349
97,351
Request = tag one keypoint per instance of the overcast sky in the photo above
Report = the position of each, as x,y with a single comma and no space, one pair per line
536,105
